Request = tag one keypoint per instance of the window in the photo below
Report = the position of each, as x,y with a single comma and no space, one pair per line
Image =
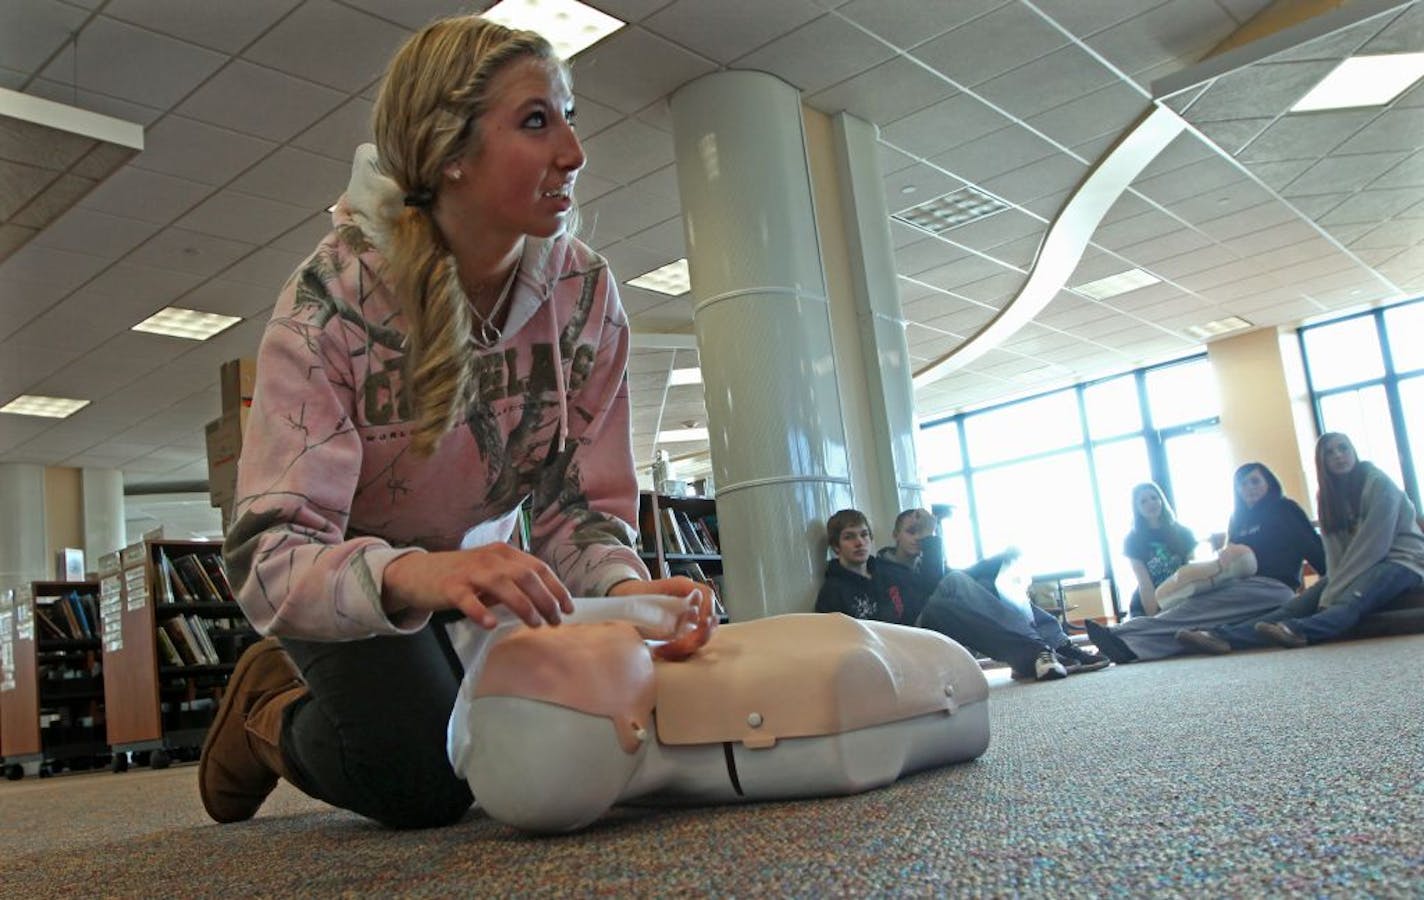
1121,466
1045,508
1025,428
1200,467
1113,408
938,448
1346,352
1404,325
957,528
1182,393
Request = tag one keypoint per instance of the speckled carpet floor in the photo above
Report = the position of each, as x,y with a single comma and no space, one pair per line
1271,773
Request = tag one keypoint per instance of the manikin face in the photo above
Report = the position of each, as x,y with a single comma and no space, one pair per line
1339,456
853,546
908,538
1253,487
519,180
1149,505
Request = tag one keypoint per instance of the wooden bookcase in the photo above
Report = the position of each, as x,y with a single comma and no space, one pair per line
159,708
694,548
51,690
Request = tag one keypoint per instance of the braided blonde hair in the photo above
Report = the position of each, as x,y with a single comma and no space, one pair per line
426,116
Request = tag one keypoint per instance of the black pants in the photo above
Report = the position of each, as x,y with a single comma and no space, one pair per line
370,736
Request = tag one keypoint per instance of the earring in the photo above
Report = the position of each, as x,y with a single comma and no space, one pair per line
456,174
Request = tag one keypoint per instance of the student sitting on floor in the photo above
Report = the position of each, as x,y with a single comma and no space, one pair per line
1157,545
1374,551
1268,538
891,589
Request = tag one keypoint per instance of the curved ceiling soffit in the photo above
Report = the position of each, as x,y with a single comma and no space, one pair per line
1067,237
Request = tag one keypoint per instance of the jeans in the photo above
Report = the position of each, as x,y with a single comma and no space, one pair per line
962,610
1375,588
370,735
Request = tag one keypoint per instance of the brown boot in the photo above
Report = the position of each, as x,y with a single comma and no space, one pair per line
242,755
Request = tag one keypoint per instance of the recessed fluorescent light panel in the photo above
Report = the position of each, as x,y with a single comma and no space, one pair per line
186,323
48,407
1219,326
1363,81
685,376
672,279
567,24
951,210
681,435
1113,285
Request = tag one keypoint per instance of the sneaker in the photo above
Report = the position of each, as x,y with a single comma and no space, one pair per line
1070,652
1048,668
1203,641
1278,633
1074,667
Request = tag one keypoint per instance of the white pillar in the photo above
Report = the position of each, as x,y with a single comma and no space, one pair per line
22,533
104,528
763,333
885,353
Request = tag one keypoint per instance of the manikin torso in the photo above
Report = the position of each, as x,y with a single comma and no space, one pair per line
554,725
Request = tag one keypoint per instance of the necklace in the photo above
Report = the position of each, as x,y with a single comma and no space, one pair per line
486,332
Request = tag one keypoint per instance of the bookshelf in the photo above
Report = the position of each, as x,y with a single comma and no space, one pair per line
51,691
680,536
179,633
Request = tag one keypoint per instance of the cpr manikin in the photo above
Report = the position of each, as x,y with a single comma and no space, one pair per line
554,725
1234,562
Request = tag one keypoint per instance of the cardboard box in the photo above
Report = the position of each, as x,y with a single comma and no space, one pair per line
224,437
237,378
1088,600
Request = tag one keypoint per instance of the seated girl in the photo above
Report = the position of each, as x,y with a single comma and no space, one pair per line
1158,545
1259,570
1373,547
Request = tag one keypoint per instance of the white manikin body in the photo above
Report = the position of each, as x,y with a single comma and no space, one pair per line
553,726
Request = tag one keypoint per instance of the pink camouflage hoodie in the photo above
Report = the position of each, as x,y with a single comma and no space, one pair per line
329,490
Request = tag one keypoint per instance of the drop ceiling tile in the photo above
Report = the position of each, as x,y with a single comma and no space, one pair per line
1397,233
260,101
1409,173
627,151
961,271
128,285
1404,33
1018,253
1369,206
1308,136
351,49
1183,150
187,251
1185,264
908,24
990,45
340,132
592,116
1085,17
296,177
1340,173
728,29
224,27
26,41
1233,134
414,14
819,54
266,267
986,233
1056,175
36,264
198,152
665,238
891,160
1062,76
1106,111
633,67
925,254
230,298
1313,207
890,91
994,154
1252,220
1265,88
242,217
304,237
1394,129
1276,175
1177,31
1134,230
1190,181
98,234
132,64
995,291
146,195
918,184
956,120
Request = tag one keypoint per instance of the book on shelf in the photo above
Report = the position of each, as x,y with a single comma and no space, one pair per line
213,567
199,629
672,534
182,641
168,648
50,627
170,588
195,578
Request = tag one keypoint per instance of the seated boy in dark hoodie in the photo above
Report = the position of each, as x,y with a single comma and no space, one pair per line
901,585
